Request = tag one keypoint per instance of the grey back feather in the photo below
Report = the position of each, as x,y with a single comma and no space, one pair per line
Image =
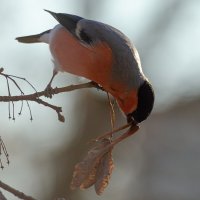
127,66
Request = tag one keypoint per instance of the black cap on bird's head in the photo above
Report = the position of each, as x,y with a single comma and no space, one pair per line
145,103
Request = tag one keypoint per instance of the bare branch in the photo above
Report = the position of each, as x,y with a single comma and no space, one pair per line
56,108
2,197
32,97
35,97
11,77
112,112
3,151
15,192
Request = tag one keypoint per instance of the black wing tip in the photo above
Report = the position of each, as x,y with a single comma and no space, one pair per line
51,13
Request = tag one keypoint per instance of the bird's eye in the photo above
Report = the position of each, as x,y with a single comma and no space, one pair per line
84,37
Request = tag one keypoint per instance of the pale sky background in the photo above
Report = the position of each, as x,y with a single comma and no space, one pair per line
167,38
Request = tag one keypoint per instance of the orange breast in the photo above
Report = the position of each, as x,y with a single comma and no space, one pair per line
93,62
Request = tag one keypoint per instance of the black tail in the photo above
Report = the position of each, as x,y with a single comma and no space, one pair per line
31,38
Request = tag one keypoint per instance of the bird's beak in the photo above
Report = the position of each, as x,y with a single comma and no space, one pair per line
67,20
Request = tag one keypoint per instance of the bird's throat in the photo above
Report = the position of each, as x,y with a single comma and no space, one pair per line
128,102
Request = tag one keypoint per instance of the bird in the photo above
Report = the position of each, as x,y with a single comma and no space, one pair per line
102,54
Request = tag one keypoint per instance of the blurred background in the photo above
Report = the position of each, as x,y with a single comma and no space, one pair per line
162,160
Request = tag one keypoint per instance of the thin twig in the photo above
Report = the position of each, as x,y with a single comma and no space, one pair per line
2,197
133,129
112,112
9,94
3,151
13,76
29,107
56,108
36,95
20,111
15,192
108,134
12,79
15,83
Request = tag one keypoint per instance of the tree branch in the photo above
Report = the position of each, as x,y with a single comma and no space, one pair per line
15,192
35,96
2,197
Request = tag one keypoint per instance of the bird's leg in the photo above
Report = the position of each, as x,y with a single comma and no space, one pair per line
48,89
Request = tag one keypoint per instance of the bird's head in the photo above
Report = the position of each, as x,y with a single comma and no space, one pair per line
144,105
